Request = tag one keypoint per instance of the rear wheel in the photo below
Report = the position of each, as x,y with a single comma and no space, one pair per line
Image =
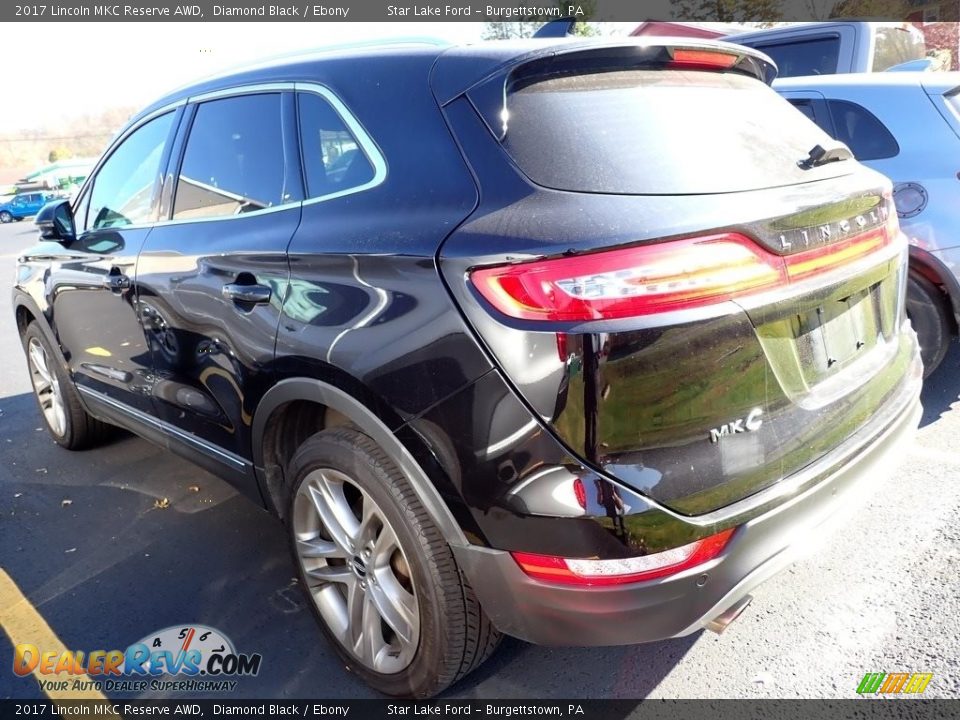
59,402
927,310
379,576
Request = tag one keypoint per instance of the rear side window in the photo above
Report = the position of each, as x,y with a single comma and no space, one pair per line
123,189
860,130
658,132
234,159
806,57
333,160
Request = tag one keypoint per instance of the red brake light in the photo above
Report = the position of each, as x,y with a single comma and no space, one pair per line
630,282
674,275
580,492
626,570
702,59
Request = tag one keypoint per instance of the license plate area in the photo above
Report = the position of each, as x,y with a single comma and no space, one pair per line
837,333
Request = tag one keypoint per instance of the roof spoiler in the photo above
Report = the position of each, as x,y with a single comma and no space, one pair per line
465,70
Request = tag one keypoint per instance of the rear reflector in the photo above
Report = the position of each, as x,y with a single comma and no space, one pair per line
570,571
675,275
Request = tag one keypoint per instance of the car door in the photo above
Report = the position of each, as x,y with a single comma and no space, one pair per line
213,277
35,201
93,288
18,206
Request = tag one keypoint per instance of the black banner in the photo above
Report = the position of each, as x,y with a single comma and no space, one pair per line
467,11
508,709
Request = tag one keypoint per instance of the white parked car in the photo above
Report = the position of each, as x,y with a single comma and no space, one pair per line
907,126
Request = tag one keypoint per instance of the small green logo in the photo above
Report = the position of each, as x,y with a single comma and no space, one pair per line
889,683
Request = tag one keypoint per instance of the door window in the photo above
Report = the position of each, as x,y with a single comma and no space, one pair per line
124,187
234,160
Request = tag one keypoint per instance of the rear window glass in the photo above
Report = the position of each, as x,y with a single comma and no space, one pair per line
860,130
807,57
658,132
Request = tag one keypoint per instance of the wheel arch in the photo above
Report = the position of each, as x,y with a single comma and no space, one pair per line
26,311
933,269
345,408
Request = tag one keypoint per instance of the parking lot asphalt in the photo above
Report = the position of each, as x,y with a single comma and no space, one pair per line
111,544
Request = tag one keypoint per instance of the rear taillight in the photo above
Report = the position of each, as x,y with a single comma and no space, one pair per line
674,275
570,571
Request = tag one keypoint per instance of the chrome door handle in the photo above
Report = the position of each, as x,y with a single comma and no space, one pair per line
117,282
253,294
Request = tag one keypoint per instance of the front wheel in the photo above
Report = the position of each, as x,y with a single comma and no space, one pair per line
59,402
5,217
378,575
927,310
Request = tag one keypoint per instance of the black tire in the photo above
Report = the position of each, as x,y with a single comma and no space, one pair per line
928,313
455,636
5,217
80,431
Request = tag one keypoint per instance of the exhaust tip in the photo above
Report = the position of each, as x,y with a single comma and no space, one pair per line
723,620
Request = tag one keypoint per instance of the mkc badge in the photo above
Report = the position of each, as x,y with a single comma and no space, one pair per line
751,422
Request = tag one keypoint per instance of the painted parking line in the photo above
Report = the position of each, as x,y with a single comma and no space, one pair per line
22,623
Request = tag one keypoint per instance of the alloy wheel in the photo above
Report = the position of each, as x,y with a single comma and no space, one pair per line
47,387
5,217
356,571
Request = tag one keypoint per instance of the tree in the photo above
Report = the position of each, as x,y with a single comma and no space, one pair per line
890,9
729,11
59,153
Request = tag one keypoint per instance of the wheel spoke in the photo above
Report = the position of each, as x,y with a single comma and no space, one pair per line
384,546
371,638
332,574
39,358
319,548
60,420
369,522
395,605
334,512
356,600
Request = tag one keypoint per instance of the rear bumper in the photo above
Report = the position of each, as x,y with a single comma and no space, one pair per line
552,614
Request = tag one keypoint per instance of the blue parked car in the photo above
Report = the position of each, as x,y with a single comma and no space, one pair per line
905,125
24,205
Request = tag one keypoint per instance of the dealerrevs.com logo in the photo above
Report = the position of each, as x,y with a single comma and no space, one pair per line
893,683
178,658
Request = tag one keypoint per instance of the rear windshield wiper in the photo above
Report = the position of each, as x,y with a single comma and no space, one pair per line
820,155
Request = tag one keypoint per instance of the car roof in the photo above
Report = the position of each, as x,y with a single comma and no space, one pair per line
937,83
460,66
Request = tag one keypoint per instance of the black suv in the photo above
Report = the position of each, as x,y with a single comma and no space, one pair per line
574,341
